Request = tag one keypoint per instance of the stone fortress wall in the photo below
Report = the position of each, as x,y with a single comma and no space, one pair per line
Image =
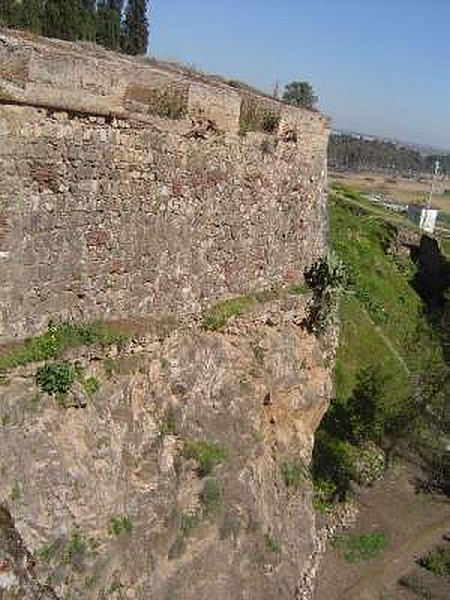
131,188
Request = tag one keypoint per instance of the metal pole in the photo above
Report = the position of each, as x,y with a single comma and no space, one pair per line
433,183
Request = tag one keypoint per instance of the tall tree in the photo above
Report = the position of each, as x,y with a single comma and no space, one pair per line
88,20
300,93
31,15
10,13
135,29
63,19
109,16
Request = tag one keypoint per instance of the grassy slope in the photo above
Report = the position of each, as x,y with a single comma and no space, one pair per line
383,326
381,315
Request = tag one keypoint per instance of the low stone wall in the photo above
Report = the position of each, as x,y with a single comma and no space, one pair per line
111,209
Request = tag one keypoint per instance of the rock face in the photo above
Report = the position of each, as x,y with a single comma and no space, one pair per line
182,474
255,393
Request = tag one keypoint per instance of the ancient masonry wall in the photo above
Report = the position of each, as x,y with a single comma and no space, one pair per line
130,188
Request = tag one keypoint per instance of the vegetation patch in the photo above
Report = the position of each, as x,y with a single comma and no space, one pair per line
438,562
91,385
16,492
56,378
300,289
219,315
58,338
272,544
119,524
169,105
390,374
326,278
76,549
257,116
363,547
324,494
211,497
294,474
69,552
207,455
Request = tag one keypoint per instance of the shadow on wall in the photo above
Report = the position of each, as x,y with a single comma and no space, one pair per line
432,283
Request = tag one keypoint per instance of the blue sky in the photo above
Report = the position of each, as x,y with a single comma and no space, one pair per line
379,66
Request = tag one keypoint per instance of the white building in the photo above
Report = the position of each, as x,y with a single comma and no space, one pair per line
423,216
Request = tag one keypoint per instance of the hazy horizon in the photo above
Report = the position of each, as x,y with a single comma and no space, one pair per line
376,67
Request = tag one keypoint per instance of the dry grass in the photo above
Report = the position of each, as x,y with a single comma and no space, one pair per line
400,188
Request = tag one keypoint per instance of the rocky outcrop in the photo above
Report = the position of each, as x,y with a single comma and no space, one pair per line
106,496
177,467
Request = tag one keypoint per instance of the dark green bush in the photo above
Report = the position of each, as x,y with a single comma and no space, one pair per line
438,562
56,378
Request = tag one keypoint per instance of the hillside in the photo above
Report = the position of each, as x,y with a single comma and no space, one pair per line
383,442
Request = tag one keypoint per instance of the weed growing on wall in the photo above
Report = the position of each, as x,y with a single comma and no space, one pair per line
91,385
56,378
294,474
255,116
207,455
218,317
438,562
119,524
272,544
60,337
211,497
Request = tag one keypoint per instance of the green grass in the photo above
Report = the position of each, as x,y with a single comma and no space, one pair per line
438,562
219,315
76,549
381,313
357,548
91,385
300,289
272,544
211,497
57,339
324,491
119,524
383,331
207,455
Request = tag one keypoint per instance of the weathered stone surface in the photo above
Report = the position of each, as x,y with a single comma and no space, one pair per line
109,209
74,469
110,218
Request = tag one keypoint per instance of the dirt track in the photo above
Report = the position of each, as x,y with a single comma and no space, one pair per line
414,523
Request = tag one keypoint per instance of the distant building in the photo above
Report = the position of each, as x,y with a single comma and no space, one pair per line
423,216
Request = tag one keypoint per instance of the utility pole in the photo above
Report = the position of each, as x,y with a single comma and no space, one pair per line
433,183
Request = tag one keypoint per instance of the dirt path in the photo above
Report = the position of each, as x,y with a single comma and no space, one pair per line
414,524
